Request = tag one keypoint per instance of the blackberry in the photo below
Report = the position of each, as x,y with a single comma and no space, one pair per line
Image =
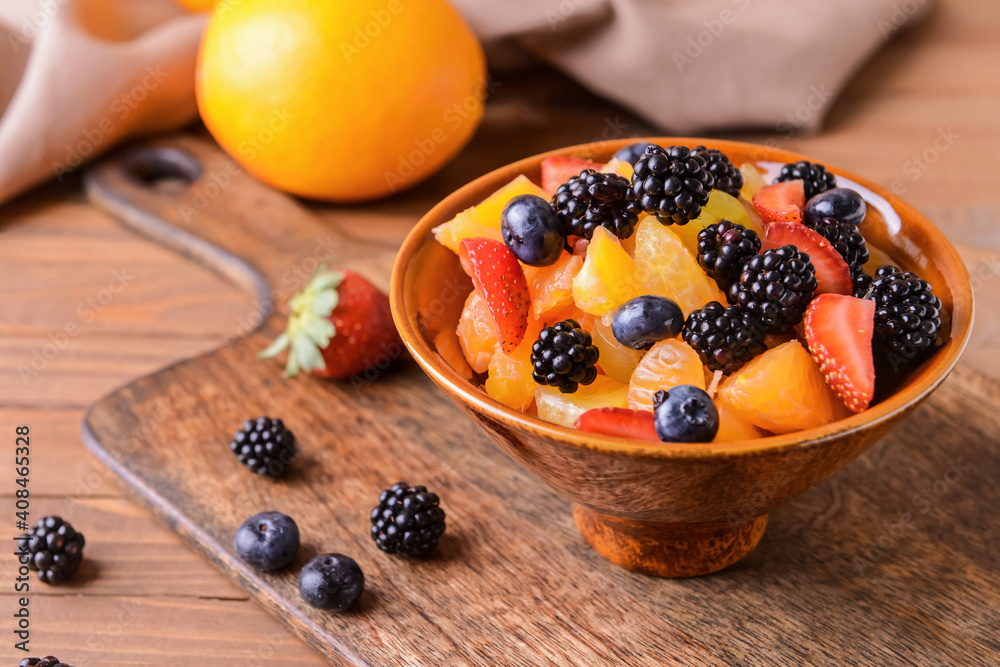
725,337
672,183
53,548
592,200
847,240
776,286
48,661
265,446
907,313
728,178
723,249
408,520
815,177
564,356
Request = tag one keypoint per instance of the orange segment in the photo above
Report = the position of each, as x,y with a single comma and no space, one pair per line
484,219
477,333
551,287
607,278
781,391
669,363
733,427
663,266
565,409
616,361
510,380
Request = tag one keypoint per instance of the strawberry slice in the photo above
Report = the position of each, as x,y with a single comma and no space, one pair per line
781,202
500,281
832,273
557,170
620,423
838,332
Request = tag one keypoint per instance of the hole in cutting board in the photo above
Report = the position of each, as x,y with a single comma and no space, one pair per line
165,170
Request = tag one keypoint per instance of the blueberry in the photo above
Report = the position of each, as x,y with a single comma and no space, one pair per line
646,319
685,414
844,204
332,582
267,541
531,231
632,152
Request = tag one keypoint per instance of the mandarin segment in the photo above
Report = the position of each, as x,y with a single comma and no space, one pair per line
477,333
667,364
551,287
781,391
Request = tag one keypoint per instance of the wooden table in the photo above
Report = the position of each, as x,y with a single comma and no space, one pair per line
86,305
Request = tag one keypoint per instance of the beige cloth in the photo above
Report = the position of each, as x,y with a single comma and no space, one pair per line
78,76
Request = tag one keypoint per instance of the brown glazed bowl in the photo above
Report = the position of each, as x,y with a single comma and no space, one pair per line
671,509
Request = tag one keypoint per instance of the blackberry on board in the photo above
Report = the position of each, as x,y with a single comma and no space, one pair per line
408,520
907,312
672,184
54,549
594,199
564,356
264,445
723,248
815,178
847,240
728,178
47,661
776,286
725,337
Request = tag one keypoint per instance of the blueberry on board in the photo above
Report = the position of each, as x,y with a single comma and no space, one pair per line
844,204
332,582
632,152
267,541
531,231
644,320
685,413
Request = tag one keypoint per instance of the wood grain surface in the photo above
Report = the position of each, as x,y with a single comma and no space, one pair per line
57,252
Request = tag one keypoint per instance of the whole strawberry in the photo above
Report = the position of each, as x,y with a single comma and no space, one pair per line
340,325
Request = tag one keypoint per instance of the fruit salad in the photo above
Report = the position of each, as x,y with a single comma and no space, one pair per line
673,296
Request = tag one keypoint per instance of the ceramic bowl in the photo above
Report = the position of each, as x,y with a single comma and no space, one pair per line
672,509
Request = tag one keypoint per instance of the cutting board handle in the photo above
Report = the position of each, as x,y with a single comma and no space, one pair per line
184,193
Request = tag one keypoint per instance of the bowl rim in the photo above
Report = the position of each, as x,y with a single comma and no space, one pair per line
926,381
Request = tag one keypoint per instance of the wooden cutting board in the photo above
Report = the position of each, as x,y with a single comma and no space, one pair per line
892,561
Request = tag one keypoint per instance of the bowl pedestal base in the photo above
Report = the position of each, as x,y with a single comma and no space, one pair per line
669,549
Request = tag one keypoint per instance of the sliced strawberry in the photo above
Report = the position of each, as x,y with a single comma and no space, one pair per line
500,280
619,422
557,170
781,202
832,273
838,332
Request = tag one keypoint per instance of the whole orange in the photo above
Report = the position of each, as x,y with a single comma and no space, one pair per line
343,100
197,5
